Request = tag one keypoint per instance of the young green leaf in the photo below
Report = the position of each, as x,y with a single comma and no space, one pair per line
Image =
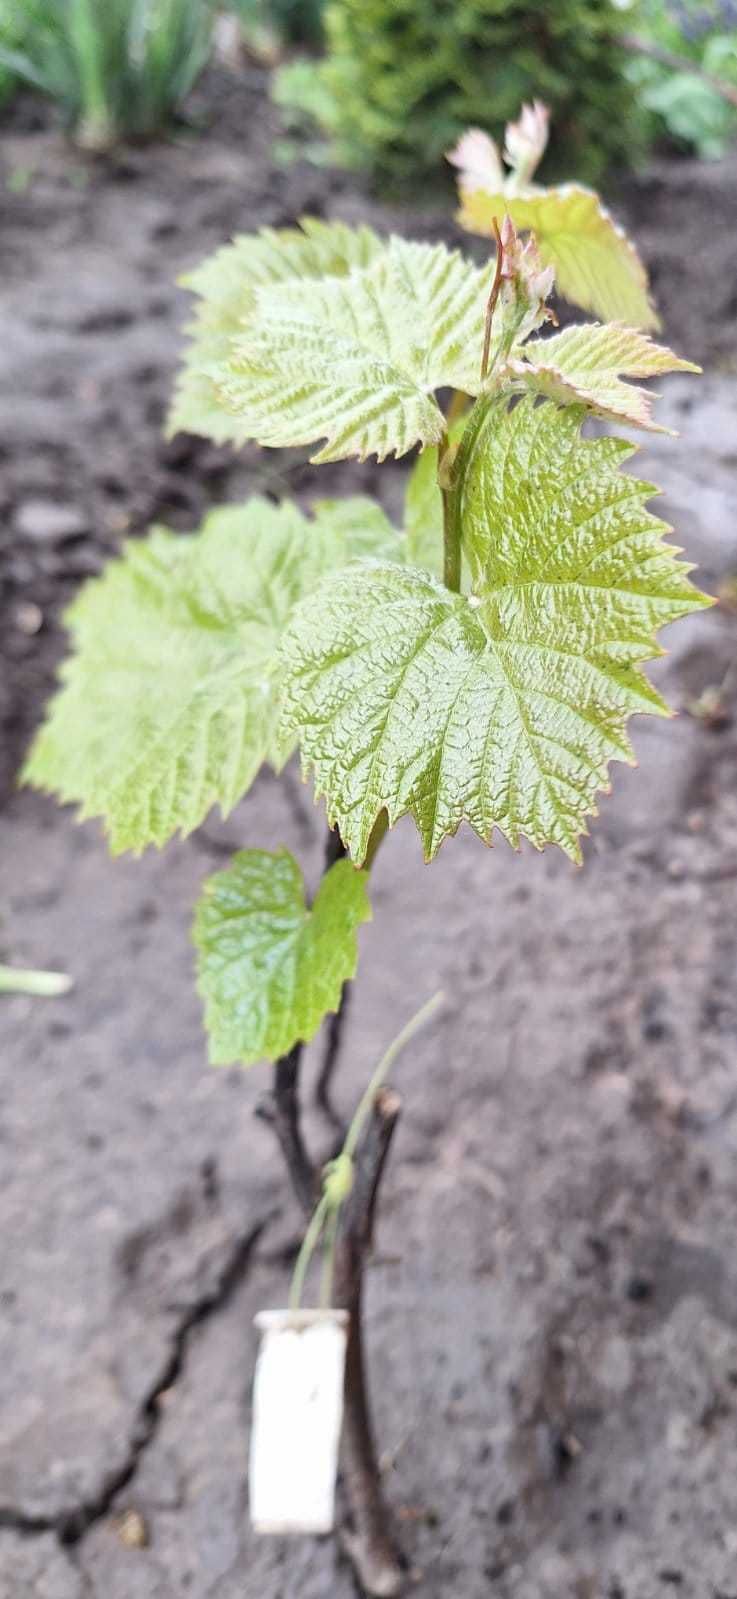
596,266
356,360
169,703
587,364
504,707
226,284
269,967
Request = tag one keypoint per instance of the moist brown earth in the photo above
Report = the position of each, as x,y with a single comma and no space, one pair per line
552,1307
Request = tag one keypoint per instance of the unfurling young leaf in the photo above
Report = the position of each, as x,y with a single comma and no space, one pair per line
525,142
596,266
502,707
587,364
169,702
270,967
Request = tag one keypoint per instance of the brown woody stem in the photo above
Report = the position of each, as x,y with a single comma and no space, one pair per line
335,850
368,1539
281,1109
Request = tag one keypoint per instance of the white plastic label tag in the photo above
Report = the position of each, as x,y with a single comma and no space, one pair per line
297,1417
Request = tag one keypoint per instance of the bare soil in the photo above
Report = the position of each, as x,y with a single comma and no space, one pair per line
552,1310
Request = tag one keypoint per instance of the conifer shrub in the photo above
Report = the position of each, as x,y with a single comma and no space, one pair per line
403,78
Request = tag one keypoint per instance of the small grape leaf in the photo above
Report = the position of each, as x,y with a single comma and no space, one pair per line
355,360
596,266
587,363
270,968
226,285
503,707
169,703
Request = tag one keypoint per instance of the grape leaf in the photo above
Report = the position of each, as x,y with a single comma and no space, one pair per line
269,968
355,360
596,266
226,284
587,363
502,707
314,249
357,526
169,703
423,513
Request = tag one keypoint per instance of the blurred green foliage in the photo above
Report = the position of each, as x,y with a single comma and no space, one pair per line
117,68
8,85
683,105
287,21
403,78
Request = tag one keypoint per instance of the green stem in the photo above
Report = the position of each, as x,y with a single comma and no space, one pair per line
458,407
493,297
452,563
384,1067
309,1245
451,526
46,985
449,466
453,494
328,1264
326,1213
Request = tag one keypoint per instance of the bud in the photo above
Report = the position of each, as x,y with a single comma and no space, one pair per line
525,141
522,265
477,158
525,285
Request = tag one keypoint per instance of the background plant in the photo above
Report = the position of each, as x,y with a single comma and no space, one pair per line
286,21
403,78
480,664
117,68
681,78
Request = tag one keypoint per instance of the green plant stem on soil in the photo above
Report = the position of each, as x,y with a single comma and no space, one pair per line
327,1211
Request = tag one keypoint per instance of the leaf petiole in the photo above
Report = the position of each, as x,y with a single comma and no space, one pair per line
338,1174
493,297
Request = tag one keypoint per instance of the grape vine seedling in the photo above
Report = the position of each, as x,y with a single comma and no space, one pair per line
479,665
